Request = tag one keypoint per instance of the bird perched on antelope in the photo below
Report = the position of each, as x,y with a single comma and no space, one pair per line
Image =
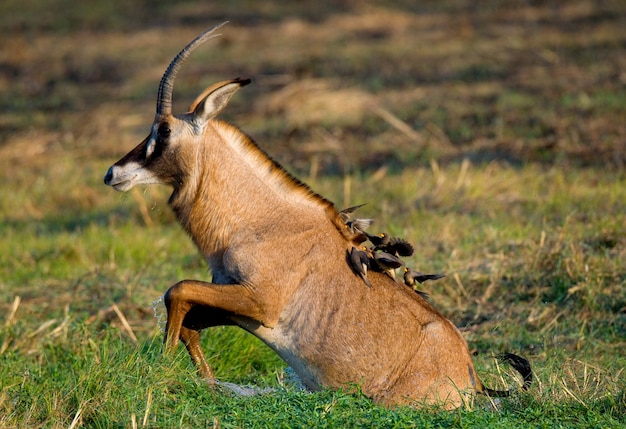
411,276
356,227
344,214
395,246
359,260
380,239
386,262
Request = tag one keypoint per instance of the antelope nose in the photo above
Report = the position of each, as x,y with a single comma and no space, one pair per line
109,176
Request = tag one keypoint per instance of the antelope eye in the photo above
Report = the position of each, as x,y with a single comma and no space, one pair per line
164,131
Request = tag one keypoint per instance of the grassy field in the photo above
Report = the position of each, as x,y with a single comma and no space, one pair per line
492,138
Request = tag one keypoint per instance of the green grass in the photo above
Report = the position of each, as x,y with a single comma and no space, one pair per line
542,275
513,184
110,383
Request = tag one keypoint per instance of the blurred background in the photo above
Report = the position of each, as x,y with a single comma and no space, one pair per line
352,85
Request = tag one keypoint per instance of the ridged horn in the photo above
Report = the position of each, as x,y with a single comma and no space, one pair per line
166,87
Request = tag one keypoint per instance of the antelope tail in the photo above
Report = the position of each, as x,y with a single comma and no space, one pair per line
519,364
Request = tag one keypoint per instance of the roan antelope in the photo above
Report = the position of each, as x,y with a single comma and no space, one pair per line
279,254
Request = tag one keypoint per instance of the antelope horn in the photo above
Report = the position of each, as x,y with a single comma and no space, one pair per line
166,87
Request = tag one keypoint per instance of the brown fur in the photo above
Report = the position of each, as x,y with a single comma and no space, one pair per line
277,252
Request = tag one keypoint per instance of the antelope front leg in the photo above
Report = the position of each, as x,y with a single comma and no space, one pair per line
193,305
196,319
191,339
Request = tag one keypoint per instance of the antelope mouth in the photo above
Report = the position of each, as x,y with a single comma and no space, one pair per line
123,186
120,183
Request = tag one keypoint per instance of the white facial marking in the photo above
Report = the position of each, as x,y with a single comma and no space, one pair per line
150,147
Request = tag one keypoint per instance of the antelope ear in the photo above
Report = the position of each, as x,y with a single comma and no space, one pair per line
213,100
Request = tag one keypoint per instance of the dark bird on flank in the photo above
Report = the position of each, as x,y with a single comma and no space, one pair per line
396,246
344,214
379,239
360,263
387,262
410,277
358,226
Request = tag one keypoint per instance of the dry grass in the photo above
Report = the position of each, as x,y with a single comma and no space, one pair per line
537,84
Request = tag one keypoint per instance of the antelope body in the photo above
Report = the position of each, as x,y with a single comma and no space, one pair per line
277,252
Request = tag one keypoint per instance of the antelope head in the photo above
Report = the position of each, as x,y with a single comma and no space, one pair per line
153,161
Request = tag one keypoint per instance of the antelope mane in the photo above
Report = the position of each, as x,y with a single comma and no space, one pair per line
271,172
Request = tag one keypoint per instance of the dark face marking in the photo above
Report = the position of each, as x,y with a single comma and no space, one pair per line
154,150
